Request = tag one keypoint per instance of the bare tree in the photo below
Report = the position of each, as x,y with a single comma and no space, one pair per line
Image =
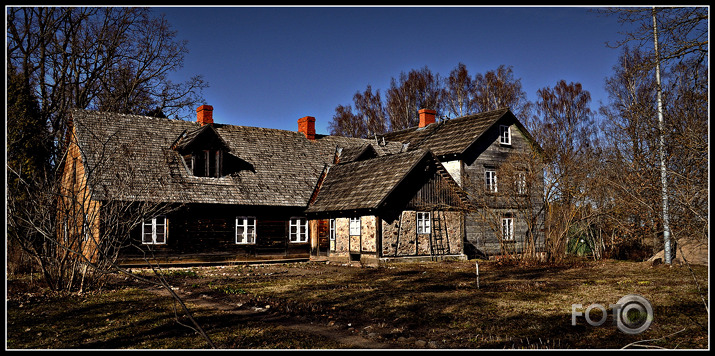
661,144
368,118
683,31
517,195
688,150
108,58
458,97
74,225
498,89
632,164
522,189
564,127
630,144
62,224
369,107
346,123
418,89
676,34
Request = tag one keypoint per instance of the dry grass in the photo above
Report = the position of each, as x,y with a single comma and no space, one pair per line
404,305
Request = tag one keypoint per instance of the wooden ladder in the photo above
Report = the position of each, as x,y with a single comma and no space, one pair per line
437,248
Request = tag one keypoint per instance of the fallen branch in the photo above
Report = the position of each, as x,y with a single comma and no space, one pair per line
635,343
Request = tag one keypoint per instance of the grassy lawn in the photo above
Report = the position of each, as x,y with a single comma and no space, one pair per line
402,305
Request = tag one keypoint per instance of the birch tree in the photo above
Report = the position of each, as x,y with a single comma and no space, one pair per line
459,92
676,35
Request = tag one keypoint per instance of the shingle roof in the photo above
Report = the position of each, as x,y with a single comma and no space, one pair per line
450,136
350,154
129,157
364,184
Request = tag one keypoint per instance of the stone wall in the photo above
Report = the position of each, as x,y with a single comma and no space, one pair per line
400,237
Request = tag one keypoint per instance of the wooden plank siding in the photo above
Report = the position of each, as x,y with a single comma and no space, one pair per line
206,232
78,215
483,226
466,147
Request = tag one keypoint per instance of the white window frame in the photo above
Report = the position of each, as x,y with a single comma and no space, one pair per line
155,223
505,135
248,227
86,229
521,183
355,226
331,229
507,228
65,232
490,177
298,230
424,225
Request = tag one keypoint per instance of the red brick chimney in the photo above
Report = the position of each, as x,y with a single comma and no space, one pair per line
426,117
306,125
204,115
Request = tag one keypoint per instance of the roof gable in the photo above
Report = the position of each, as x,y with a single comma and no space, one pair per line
368,184
204,137
358,153
363,184
455,136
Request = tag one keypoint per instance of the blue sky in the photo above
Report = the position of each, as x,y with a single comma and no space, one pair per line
268,67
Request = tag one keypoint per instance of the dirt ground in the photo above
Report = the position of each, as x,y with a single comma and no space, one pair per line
427,305
343,338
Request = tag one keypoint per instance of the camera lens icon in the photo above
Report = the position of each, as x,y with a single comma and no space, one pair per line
634,315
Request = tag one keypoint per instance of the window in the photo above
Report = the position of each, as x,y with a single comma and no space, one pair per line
298,230
504,135
155,231
423,223
65,233
490,175
86,229
205,163
507,229
521,183
331,231
354,226
245,230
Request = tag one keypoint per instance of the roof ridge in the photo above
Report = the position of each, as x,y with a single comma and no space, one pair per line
415,152
99,112
460,118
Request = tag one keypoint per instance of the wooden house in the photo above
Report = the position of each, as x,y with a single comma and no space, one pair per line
394,206
496,161
237,193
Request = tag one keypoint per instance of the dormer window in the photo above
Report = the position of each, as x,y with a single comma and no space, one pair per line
203,151
504,135
205,163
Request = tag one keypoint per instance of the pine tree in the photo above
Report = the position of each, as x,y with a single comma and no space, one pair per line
28,145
